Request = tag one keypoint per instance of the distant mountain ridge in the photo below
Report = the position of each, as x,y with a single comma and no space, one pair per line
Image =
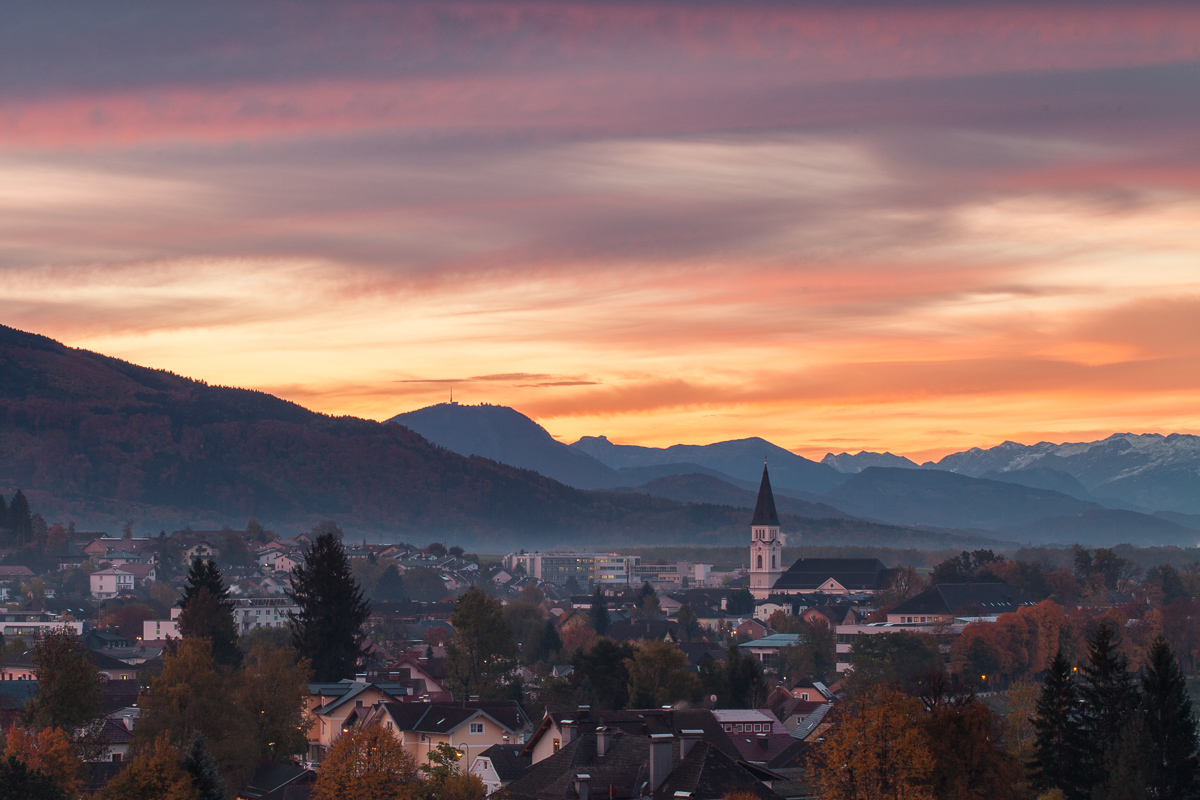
845,462
740,458
506,435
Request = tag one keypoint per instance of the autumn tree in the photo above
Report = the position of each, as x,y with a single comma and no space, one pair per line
659,676
447,780
273,691
968,764
879,751
327,630
49,751
481,654
368,764
903,658
207,612
68,693
154,774
194,694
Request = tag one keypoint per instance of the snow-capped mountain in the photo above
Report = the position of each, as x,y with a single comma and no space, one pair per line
1150,471
845,462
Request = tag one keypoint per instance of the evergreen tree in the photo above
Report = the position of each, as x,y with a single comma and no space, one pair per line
205,776
548,643
1056,746
3,515
207,612
1109,696
19,782
1128,764
20,521
390,587
599,611
1170,726
327,630
481,654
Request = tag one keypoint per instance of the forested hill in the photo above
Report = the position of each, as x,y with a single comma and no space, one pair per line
101,441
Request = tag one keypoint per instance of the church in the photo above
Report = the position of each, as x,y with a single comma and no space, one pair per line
830,576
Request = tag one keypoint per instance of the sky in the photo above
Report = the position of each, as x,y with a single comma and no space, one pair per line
883,226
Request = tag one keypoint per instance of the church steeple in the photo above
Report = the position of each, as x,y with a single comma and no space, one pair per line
766,550
764,509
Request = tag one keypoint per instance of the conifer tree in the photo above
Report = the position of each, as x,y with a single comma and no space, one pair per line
3,517
205,776
1109,696
481,654
599,611
1056,746
207,612
327,630
20,521
1170,726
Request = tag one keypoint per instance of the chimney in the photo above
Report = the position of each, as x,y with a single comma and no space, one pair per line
604,740
581,785
569,729
687,740
581,713
660,758
762,740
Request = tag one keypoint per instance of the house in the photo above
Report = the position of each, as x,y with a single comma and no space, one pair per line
142,573
32,624
330,704
751,628
500,765
623,765
471,728
108,583
767,648
199,549
946,601
8,573
111,668
648,629
560,726
116,736
262,612
19,667
287,562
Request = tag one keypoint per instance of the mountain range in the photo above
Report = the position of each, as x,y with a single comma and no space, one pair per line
1022,500
101,441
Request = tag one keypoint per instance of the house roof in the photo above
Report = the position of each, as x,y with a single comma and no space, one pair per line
15,572
774,640
705,772
764,509
958,599
115,732
507,761
642,721
810,722
855,574
633,630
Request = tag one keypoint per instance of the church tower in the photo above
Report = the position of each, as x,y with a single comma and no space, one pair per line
766,551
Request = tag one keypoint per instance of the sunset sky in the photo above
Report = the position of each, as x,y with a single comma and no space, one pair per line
887,226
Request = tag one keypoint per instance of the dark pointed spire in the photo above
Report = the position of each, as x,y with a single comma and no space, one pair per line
764,509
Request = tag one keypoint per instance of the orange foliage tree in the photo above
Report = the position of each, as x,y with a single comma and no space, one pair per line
48,751
368,764
879,751
155,774
1017,646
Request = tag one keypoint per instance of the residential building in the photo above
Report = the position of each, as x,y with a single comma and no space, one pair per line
947,601
500,765
108,583
471,727
586,569
262,612
767,648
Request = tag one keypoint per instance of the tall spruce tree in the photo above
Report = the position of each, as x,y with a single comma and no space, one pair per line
20,520
1109,696
207,612
599,611
1170,726
3,519
327,629
1056,745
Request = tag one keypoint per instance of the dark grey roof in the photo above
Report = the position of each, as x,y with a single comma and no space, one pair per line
764,509
965,600
633,630
855,574
706,773
445,717
507,761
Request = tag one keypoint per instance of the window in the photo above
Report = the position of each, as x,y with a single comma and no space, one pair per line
556,745
772,562
358,703
389,724
476,727
760,562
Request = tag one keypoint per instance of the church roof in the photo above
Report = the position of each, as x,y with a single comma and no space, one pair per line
854,574
764,509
